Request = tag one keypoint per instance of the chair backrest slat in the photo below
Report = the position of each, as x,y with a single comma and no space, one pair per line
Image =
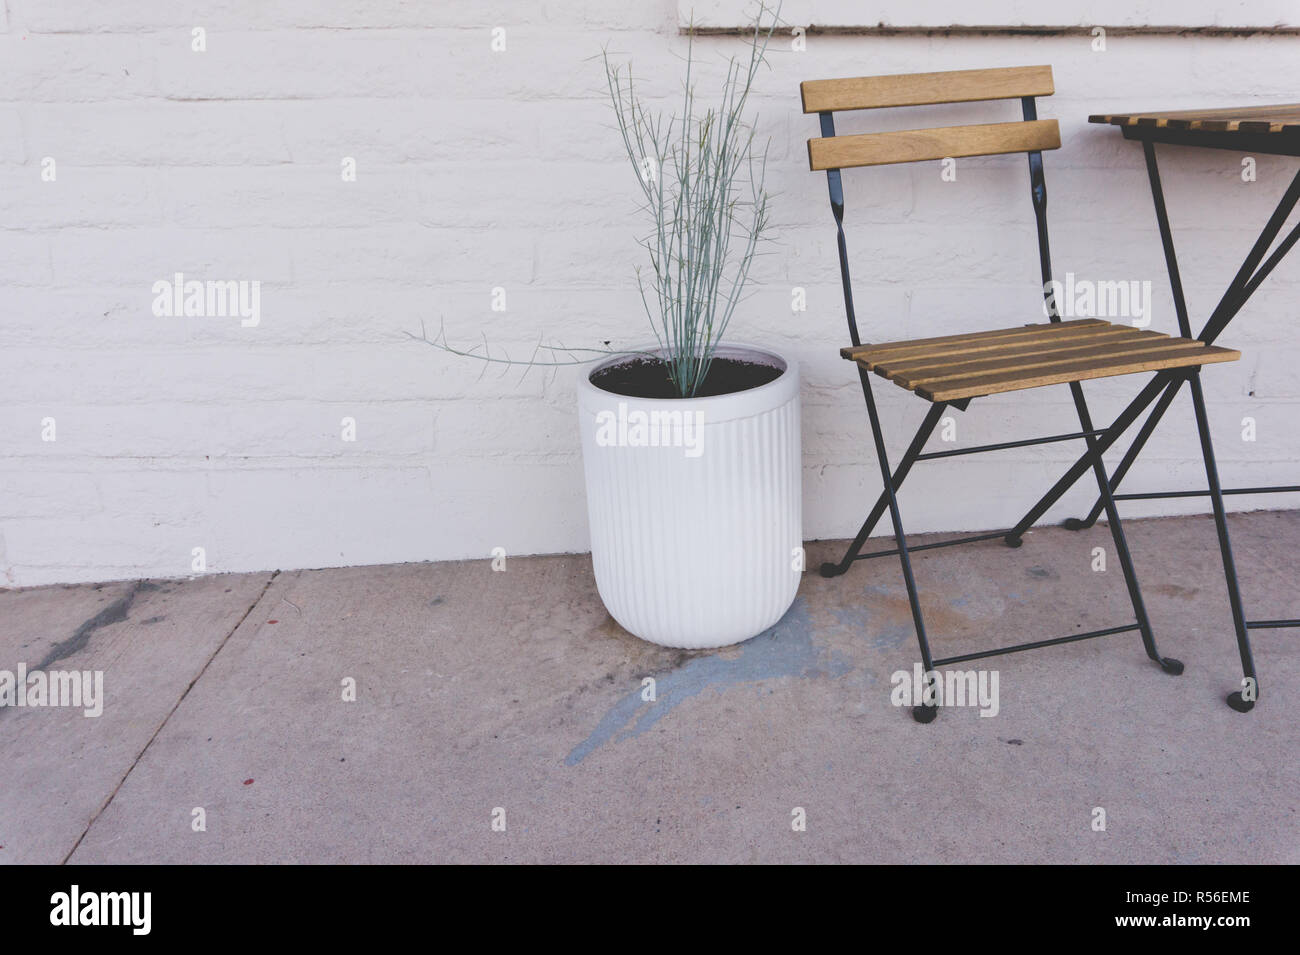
925,89
916,145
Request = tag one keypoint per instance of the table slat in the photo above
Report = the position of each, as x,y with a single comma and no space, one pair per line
1283,119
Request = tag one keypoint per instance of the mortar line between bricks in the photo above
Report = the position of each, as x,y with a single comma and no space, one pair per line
139,756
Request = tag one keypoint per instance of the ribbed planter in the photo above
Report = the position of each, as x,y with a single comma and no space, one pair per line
695,541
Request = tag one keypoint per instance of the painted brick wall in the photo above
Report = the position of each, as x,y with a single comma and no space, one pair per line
479,169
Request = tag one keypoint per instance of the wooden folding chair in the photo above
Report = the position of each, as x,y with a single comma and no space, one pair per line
954,369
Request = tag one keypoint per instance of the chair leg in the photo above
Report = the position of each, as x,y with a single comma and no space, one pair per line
1103,443
1236,699
1168,664
1134,449
924,712
831,569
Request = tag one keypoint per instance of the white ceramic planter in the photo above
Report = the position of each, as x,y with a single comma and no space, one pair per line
695,542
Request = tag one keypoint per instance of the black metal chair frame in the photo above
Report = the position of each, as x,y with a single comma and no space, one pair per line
1098,441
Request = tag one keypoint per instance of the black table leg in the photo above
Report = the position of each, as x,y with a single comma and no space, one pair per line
1248,278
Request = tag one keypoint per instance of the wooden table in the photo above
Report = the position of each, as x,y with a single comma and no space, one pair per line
1263,129
1271,130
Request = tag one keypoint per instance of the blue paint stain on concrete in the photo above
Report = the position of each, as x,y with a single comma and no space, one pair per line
853,619
858,620
893,637
783,650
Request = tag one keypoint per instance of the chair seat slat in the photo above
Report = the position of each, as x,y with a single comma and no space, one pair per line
954,367
934,366
1026,364
852,352
996,347
1154,360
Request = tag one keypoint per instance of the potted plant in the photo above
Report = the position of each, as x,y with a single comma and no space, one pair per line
691,447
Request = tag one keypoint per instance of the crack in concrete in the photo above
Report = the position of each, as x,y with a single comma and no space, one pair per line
145,585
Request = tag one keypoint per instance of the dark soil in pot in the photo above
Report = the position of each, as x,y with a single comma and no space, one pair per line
648,378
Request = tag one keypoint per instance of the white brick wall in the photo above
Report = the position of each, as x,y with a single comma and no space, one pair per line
479,169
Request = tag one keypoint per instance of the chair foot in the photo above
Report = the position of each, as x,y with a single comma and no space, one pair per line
830,569
924,714
1075,524
1238,704
1171,666
1012,541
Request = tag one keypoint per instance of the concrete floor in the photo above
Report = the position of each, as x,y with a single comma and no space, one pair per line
479,690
